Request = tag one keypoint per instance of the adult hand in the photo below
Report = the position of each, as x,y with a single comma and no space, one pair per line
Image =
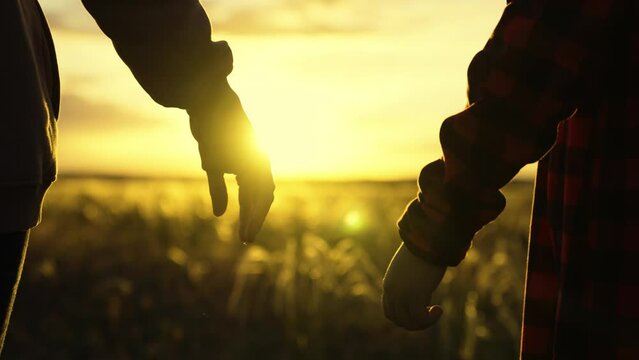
227,146
408,286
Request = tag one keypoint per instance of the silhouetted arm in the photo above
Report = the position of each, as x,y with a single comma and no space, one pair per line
167,45
525,81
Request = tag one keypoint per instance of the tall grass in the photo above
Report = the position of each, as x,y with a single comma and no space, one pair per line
139,269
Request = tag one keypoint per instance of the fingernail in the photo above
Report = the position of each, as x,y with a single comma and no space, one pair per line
435,311
248,239
245,236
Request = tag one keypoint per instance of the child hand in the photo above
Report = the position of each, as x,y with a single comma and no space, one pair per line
408,286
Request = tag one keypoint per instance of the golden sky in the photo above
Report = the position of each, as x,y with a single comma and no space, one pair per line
336,89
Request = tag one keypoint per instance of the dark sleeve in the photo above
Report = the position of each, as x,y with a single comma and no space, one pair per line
166,44
525,81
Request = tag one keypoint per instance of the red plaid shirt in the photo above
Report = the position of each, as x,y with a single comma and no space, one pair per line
556,83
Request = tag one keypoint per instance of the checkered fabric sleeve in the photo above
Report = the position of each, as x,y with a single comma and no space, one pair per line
525,81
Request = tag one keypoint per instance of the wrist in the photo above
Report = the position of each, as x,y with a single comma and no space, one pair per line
212,96
425,258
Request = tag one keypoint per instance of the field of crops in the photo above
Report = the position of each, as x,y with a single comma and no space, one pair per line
140,269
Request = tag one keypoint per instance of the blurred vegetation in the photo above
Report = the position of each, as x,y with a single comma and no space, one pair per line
140,269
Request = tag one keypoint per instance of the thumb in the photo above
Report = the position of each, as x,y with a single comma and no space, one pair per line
219,195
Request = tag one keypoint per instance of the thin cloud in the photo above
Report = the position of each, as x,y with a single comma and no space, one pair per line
85,116
266,17
252,16
288,16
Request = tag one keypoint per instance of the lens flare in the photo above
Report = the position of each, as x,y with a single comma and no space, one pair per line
354,220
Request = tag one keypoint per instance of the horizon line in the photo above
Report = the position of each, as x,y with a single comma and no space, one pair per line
65,175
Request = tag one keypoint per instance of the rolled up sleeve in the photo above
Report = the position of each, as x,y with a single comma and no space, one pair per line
525,81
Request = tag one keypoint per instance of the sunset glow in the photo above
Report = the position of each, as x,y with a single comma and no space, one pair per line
329,99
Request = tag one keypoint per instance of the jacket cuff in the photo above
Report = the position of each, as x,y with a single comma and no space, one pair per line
429,240
211,71
440,223
203,74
